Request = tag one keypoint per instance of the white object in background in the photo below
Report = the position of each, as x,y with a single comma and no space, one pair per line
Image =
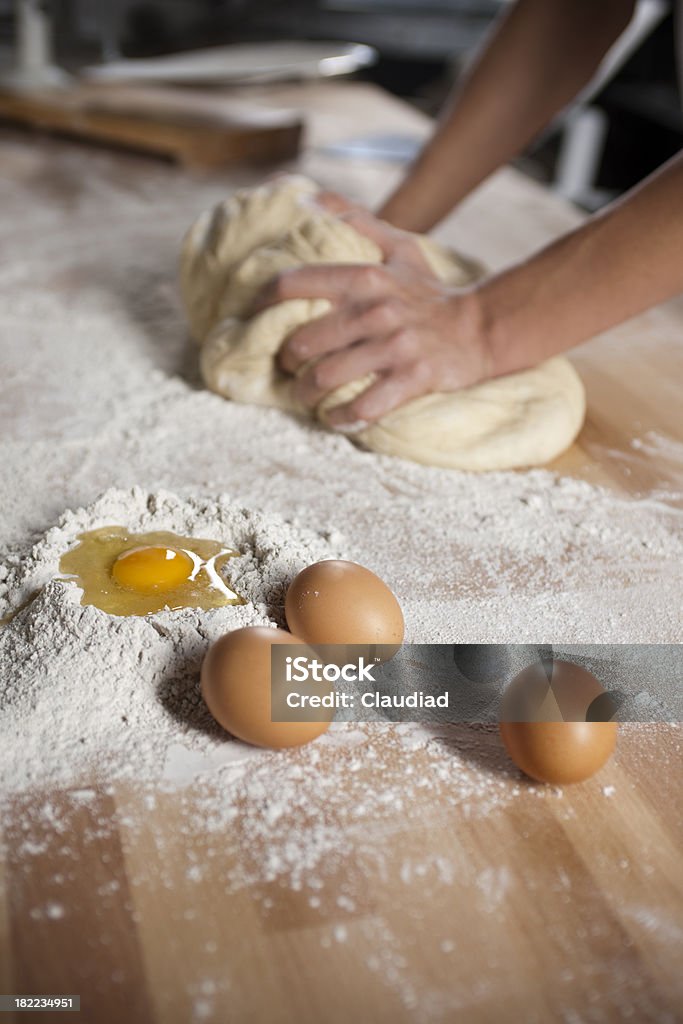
240,62
578,162
585,126
34,66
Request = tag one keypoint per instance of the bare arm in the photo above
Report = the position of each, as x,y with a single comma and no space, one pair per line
397,320
417,335
540,55
621,261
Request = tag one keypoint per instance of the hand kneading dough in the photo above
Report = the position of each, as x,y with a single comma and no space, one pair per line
523,419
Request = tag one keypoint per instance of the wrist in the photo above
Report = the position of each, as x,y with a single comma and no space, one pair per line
507,336
473,315
400,212
416,204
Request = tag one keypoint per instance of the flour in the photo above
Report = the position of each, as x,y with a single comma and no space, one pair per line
86,692
100,392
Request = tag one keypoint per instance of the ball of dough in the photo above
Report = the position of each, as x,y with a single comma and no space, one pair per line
222,238
238,358
523,419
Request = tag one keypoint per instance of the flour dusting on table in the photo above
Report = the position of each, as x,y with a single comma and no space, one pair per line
101,392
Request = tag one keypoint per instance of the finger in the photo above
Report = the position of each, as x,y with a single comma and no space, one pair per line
339,368
324,334
394,245
337,330
383,235
334,202
390,391
378,231
332,281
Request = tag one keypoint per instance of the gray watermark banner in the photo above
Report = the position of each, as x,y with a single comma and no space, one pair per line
477,682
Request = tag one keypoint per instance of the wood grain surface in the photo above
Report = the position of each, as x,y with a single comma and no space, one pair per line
537,906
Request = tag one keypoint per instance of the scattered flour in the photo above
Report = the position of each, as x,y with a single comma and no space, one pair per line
103,738
91,702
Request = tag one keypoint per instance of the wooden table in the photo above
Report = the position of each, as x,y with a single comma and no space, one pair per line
548,907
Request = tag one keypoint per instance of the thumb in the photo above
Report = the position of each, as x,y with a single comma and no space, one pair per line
382,234
336,203
387,239
393,243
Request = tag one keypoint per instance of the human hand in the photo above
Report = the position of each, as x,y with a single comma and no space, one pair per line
394,319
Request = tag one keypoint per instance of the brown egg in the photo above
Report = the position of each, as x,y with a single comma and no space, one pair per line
559,752
338,602
236,685
558,691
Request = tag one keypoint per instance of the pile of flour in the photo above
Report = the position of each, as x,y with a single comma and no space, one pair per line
82,691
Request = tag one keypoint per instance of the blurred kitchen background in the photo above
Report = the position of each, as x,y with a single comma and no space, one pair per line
624,126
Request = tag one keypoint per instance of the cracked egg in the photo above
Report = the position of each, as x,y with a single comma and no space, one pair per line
126,573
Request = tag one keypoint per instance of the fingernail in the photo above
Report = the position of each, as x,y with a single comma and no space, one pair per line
354,427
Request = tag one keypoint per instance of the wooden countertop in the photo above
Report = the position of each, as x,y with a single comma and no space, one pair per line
548,907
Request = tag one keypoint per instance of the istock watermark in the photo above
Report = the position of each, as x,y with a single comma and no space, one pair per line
303,670
478,682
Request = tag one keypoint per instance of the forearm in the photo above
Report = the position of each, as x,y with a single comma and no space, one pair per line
540,55
398,321
620,262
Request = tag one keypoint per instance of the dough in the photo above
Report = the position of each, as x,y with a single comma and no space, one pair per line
523,419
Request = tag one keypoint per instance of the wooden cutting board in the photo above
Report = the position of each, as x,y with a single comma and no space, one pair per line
197,128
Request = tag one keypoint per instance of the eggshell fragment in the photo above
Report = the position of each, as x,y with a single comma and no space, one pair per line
236,686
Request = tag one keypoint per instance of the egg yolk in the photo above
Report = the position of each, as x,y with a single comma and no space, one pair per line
152,569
